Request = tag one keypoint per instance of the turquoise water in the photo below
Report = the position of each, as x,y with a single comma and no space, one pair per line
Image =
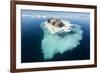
60,42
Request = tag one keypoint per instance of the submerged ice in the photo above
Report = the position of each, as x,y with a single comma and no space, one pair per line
59,40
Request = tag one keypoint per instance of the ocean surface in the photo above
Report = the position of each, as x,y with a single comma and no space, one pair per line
32,35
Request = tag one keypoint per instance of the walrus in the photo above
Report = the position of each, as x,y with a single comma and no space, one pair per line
55,22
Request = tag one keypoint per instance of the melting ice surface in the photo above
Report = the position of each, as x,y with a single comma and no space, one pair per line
61,41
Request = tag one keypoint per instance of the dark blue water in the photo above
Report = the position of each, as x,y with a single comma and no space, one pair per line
32,34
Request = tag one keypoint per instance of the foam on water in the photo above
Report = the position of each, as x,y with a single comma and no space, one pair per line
60,42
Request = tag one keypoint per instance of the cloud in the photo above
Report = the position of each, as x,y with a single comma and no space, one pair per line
24,15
